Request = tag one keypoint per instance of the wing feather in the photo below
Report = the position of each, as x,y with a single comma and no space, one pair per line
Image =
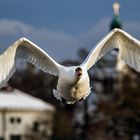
129,49
23,48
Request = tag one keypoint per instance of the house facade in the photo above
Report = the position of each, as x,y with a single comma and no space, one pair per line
23,117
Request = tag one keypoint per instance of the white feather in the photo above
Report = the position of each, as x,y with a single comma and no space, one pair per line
70,87
23,48
129,49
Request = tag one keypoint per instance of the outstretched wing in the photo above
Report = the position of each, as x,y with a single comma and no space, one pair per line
129,49
23,48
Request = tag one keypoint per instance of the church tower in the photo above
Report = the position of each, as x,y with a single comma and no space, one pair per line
116,23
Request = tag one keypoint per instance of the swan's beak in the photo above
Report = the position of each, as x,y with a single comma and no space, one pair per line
79,72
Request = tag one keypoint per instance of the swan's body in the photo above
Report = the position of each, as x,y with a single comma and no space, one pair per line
73,82
71,87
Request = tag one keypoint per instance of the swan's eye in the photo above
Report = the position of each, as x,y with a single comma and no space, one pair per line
79,71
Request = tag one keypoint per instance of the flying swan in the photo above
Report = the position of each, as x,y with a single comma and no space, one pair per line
73,82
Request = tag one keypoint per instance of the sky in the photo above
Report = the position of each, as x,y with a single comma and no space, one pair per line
61,27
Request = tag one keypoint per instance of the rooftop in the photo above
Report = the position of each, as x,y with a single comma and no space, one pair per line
18,100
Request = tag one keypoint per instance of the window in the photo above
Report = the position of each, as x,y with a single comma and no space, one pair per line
15,120
18,120
36,126
12,120
15,137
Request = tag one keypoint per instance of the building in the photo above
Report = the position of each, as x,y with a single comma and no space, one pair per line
110,65
23,117
116,23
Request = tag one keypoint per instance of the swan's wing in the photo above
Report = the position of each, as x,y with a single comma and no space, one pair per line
129,49
23,48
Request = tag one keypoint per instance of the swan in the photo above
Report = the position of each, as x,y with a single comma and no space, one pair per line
73,82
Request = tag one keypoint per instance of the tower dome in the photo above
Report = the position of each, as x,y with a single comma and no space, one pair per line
116,22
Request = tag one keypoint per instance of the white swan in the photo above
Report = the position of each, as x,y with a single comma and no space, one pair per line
73,82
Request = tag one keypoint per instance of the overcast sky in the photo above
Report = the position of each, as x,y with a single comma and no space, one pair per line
60,27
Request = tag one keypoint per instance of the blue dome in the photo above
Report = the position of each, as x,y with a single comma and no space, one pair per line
115,23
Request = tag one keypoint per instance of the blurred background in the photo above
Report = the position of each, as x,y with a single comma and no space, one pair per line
67,31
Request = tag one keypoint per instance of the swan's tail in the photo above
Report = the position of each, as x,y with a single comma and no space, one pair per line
59,97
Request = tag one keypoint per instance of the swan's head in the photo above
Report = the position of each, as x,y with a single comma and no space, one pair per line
78,72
